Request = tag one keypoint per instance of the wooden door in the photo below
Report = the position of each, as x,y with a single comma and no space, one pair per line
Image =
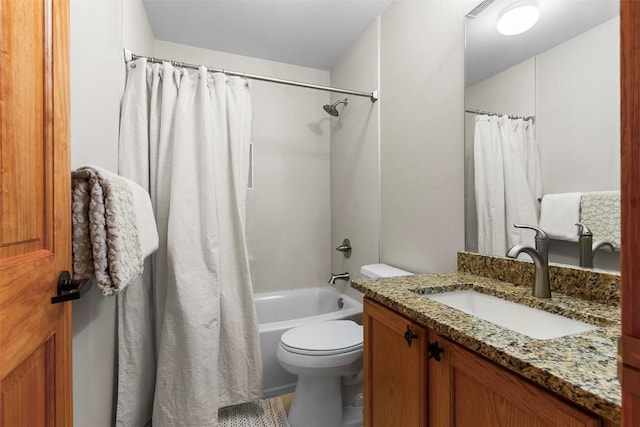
394,370
35,336
467,390
630,185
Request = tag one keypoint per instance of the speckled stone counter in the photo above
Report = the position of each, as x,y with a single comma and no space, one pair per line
580,367
586,283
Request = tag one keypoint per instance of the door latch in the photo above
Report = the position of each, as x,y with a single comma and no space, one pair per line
68,289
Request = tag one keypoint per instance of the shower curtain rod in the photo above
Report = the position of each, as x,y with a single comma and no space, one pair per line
373,96
488,113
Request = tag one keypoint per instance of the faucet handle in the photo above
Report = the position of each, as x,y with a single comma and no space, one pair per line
540,233
345,248
542,240
583,230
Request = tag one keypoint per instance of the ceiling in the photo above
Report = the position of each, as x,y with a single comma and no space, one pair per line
311,33
489,52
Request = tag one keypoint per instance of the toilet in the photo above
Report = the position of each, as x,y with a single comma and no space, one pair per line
327,358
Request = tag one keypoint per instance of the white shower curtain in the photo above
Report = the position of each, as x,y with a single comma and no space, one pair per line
188,336
508,182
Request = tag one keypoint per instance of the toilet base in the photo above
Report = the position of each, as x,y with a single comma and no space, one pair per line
352,416
317,402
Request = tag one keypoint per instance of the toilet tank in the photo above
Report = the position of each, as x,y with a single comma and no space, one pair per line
376,271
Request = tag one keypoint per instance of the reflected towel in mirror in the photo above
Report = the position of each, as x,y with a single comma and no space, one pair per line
559,214
600,211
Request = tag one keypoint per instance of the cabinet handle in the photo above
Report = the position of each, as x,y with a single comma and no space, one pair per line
434,350
409,336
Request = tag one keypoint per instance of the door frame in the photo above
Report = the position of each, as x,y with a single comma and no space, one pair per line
630,210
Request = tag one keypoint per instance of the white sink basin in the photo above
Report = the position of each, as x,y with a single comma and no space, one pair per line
529,321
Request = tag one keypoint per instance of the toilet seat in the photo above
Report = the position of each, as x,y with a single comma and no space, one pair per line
321,353
332,337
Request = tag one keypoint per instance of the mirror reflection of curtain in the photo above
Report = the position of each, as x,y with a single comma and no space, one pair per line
188,339
508,182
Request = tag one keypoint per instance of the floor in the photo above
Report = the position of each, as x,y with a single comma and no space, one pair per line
286,401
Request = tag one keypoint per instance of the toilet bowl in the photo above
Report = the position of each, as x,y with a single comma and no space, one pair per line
327,358
320,355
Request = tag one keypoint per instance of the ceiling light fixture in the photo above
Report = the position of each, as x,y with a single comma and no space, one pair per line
518,18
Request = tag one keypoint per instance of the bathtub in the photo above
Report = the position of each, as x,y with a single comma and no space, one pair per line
278,312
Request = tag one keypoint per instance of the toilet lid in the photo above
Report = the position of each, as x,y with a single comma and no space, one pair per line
330,337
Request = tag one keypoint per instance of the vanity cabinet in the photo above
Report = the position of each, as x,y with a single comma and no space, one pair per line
394,369
465,389
438,383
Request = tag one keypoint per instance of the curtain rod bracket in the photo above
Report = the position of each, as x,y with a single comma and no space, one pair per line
128,55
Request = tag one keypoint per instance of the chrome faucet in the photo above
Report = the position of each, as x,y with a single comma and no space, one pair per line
588,249
341,276
540,257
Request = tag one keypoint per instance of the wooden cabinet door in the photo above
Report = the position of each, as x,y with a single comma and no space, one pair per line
35,336
394,369
467,390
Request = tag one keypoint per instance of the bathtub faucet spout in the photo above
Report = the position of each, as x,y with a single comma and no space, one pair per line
342,276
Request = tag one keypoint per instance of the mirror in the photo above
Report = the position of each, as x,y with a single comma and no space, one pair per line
559,84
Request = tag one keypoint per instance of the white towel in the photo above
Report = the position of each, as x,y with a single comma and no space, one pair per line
600,211
559,214
145,220
105,234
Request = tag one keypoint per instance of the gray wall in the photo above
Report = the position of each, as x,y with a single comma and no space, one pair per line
578,111
421,137
355,195
422,133
99,30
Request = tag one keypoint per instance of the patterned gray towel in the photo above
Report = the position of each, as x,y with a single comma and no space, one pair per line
105,235
261,413
600,211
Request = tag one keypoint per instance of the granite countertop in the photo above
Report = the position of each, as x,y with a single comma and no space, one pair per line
581,367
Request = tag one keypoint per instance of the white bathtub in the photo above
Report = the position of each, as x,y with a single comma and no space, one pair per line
280,311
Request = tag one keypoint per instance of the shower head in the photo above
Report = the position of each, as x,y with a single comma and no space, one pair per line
332,110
